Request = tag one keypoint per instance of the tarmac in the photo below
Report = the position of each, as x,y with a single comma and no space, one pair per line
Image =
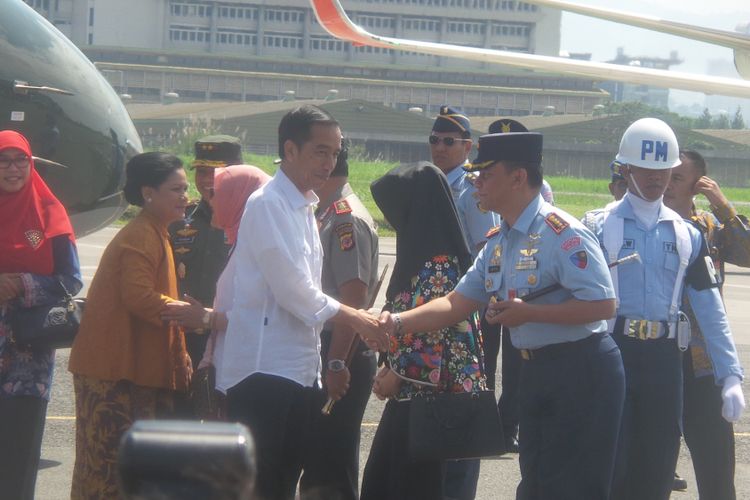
498,477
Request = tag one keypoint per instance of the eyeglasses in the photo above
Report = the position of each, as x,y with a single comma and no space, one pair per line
21,162
448,141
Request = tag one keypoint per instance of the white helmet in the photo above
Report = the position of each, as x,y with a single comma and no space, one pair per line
649,143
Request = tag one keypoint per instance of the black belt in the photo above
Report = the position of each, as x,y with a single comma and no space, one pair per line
554,350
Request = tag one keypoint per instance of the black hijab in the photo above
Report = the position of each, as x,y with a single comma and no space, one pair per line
416,201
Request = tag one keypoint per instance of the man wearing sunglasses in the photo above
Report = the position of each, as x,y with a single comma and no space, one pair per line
200,250
450,145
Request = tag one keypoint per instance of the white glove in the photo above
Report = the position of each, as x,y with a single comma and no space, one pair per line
732,398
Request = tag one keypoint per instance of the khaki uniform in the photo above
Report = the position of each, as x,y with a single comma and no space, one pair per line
350,246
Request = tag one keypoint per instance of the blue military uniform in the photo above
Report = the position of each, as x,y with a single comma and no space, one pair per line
475,222
646,330
461,477
572,381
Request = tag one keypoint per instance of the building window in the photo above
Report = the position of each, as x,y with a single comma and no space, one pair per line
91,16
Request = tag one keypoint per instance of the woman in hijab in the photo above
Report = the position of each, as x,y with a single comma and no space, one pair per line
431,257
126,363
232,187
38,258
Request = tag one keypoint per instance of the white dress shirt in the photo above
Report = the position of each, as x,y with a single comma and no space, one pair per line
278,308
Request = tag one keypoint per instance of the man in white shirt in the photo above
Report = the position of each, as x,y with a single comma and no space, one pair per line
271,356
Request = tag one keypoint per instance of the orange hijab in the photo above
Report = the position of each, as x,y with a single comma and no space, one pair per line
30,219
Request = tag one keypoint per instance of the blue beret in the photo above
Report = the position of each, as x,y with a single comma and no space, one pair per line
450,120
511,146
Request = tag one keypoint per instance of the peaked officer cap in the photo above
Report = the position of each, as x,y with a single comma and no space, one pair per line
512,146
215,151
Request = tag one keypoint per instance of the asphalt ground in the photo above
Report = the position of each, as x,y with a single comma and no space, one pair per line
499,477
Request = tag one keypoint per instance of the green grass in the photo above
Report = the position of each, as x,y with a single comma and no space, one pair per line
574,195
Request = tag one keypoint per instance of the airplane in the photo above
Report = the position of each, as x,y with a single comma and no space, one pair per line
334,19
80,133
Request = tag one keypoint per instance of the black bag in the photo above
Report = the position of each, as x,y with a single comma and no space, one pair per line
455,425
50,326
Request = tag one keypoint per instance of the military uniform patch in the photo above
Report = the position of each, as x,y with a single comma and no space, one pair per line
34,237
570,243
580,259
492,232
181,250
345,232
342,207
556,223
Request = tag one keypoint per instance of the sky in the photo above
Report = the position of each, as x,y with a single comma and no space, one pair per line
601,38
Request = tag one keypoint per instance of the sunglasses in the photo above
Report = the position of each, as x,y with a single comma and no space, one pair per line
448,141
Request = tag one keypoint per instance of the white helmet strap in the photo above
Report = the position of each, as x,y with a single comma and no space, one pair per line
635,185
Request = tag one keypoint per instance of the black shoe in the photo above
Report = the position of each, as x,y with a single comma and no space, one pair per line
678,484
511,444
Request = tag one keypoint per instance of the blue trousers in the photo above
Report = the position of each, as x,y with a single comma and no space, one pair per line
571,401
650,435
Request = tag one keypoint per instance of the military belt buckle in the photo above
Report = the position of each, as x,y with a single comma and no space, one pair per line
643,329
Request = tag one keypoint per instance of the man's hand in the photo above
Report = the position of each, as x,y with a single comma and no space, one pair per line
711,190
337,383
508,312
11,287
733,401
188,314
369,328
386,384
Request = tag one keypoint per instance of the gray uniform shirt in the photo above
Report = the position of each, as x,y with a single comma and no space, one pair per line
349,240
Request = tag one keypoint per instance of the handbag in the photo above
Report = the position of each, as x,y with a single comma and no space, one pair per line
208,403
49,326
455,425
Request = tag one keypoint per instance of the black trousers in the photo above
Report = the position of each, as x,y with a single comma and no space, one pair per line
389,473
21,430
279,415
571,402
708,436
494,337
649,440
331,470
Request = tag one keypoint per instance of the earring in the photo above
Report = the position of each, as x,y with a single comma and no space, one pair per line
148,200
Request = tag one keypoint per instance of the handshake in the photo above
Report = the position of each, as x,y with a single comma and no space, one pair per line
374,327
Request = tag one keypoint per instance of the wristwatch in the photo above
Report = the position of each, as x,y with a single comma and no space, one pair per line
206,323
336,365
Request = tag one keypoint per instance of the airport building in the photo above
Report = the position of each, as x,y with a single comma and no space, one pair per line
284,38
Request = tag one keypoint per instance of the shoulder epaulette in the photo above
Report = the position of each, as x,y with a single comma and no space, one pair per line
342,207
492,232
556,223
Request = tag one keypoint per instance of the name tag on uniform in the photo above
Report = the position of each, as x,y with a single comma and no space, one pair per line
670,247
526,263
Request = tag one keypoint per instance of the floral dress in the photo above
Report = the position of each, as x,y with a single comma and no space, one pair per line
25,371
445,360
